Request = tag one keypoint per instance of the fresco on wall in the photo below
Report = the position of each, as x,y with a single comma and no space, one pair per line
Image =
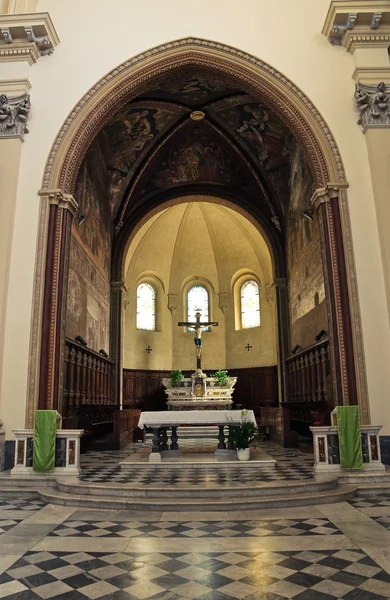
95,233
196,158
304,257
88,300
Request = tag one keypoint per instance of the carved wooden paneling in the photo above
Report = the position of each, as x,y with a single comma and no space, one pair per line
255,387
87,380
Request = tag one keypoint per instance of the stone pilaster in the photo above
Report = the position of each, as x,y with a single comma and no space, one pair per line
362,27
61,209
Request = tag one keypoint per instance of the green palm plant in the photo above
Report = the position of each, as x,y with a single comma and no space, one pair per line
242,435
221,377
176,378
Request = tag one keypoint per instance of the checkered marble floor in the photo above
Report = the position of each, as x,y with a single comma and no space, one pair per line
196,529
303,575
371,501
303,553
103,467
22,504
15,510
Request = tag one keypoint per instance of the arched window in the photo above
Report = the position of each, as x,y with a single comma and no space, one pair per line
250,304
146,307
197,301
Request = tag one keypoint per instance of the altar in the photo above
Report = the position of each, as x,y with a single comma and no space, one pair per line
162,421
199,392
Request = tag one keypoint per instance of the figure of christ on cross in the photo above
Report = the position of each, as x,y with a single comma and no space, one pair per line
198,327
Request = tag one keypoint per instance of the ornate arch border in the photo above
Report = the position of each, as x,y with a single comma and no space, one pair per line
123,83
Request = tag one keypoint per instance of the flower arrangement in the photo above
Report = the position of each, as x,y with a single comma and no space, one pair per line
176,378
221,377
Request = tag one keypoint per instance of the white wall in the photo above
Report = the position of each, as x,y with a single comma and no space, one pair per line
95,37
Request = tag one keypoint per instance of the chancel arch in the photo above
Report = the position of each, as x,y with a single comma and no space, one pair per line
236,140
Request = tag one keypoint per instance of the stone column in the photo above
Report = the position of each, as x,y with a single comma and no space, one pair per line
283,329
326,202
116,339
61,208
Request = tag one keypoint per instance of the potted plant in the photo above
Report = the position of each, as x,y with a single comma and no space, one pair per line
221,377
242,436
176,378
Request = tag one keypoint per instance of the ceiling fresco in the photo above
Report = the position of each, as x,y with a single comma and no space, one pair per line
196,158
237,143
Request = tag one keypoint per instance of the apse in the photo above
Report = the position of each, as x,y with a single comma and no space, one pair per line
199,252
190,134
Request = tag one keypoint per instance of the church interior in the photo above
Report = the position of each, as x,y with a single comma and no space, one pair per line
194,300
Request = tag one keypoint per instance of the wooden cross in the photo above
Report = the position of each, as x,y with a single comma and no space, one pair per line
148,349
248,347
198,327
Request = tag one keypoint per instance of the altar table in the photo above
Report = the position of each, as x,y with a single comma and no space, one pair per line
160,422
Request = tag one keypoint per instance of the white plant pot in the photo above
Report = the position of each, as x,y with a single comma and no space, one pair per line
243,453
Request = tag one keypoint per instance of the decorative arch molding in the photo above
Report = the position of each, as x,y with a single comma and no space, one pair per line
130,78
269,86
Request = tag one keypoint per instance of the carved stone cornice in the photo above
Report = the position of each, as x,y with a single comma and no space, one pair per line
372,103
14,113
57,197
353,23
26,37
327,193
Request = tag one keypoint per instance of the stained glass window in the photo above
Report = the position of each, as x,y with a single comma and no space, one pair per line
250,304
198,301
146,307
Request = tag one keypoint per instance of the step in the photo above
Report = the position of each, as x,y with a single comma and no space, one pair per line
178,503
194,492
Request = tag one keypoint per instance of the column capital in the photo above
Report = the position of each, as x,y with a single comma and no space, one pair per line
26,37
327,193
14,112
280,283
57,197
118,286
372,103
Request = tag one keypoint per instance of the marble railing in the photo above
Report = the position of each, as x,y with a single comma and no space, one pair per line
67,458
327,454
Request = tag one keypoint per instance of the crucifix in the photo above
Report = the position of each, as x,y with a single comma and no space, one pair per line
248,347
198,327
148,349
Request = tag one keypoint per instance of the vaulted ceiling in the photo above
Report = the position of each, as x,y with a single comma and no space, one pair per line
193,134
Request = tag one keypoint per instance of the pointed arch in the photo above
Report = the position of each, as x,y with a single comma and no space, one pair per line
294,108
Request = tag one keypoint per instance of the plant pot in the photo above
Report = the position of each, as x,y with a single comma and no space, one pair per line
243,453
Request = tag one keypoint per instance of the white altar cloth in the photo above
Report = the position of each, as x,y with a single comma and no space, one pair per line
194,417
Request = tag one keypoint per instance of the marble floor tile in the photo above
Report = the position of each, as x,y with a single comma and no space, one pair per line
327,552
10,588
